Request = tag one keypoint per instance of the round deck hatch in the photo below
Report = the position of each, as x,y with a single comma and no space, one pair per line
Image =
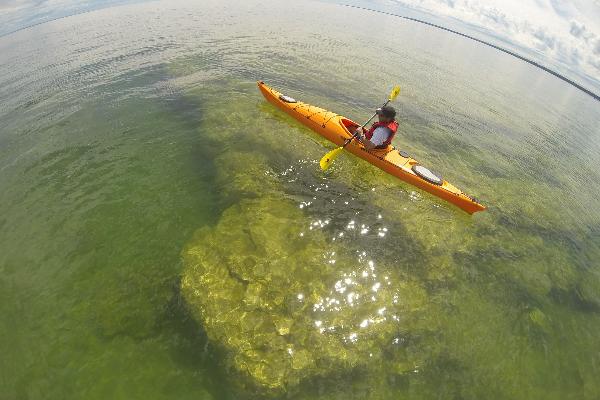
287,99
427,175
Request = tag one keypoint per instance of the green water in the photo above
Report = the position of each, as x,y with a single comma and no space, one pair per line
137,159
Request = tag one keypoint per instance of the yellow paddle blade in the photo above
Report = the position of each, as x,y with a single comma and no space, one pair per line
329,157
395,92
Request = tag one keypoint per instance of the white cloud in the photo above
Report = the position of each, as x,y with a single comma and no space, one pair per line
566,33
12,5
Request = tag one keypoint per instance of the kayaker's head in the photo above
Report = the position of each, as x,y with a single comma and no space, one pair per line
386,114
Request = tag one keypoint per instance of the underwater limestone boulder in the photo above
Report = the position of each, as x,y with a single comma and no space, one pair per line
286,306
244,174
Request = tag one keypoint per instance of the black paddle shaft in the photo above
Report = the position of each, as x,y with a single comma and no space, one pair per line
363,126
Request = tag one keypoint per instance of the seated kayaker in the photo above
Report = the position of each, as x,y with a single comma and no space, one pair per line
381,133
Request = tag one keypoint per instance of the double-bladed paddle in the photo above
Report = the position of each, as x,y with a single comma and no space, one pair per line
328,158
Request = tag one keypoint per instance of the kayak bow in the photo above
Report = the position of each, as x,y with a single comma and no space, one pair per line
337,129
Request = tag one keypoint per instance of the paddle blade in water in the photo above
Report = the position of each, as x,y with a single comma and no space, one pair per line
395,92
329,157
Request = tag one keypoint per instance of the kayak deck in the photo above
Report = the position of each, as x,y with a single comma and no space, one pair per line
337,129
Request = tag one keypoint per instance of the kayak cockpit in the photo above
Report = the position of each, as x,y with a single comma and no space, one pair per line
349,125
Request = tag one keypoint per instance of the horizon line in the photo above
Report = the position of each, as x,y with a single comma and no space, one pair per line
502,49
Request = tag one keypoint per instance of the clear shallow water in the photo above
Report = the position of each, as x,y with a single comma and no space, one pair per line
125,130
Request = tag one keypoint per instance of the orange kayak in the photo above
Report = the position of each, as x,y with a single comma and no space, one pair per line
337,129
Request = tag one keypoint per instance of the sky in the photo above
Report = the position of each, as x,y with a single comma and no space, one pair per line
561,34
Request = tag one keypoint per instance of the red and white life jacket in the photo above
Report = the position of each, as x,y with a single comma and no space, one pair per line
392,126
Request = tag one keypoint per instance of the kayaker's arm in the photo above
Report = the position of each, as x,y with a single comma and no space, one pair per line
369,145
360,135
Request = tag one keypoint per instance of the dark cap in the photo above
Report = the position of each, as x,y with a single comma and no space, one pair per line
386,111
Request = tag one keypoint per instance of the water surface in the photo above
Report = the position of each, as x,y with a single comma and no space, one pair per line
126,130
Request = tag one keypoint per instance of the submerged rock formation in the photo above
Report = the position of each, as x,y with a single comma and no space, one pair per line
287,306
